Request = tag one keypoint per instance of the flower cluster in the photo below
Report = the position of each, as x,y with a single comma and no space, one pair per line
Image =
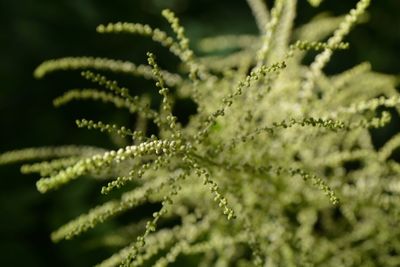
228,179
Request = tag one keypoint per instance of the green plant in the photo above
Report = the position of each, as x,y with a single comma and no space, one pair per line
256,175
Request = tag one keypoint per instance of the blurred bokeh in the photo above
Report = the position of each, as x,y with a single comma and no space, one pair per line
35,30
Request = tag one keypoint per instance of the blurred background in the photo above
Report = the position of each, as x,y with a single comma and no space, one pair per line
36,30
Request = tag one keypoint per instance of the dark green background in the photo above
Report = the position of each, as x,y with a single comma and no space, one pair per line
35,30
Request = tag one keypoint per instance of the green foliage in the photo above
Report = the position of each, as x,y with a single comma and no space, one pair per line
260,175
